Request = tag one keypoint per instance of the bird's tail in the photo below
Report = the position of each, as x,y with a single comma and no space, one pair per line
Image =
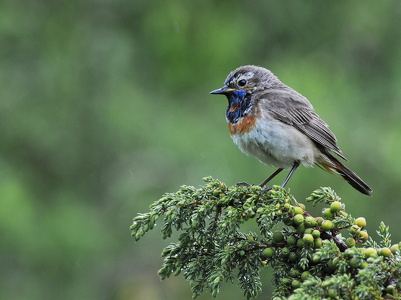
332,165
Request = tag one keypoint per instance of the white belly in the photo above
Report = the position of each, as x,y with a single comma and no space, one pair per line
277,144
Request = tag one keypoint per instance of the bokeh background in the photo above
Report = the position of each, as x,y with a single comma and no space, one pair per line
104,106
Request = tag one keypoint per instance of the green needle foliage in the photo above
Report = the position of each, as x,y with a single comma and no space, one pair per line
323,257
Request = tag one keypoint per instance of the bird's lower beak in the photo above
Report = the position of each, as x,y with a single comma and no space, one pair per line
223,90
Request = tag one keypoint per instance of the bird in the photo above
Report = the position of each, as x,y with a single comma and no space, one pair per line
277,125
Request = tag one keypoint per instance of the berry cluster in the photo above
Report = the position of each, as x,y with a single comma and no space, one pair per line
311,248
330,256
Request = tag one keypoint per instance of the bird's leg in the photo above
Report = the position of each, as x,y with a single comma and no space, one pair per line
294,167
264,182
270,177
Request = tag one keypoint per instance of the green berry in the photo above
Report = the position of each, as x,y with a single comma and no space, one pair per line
240,245
308,230
332,263
285,252
293,257
310,222
349,252
301,228
298,210
335,206
316,233
370,252
363,236
332,294
294,273
391,290
328,214
394,248
267,253
305,275
361,222
296,284
292,240
354,230
386,252
300,243
286,281
355,262
316,258
327,225
298,219
319,220
318,243
308,239
350,242
241,253
278,236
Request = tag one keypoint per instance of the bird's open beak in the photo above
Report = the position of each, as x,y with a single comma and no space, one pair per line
223,90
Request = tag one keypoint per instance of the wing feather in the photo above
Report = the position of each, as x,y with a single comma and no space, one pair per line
294,109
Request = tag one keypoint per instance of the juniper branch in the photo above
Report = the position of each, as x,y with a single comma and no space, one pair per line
311,256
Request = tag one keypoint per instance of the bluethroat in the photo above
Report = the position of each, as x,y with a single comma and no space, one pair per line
278,126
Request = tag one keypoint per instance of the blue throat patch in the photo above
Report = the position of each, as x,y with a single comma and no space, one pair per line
238,105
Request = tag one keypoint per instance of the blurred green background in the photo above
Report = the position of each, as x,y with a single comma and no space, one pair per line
104,106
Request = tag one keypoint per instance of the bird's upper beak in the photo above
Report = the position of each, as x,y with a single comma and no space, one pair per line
223,90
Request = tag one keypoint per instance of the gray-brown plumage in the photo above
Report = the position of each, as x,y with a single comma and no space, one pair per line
277,125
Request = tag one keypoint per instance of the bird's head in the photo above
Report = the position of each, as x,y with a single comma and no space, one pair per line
246,80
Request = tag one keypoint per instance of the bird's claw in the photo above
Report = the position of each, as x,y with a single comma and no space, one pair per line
266,189
243,183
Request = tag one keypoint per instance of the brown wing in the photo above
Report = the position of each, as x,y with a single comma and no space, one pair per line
291,108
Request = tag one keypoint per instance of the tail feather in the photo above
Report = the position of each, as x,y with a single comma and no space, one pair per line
332,165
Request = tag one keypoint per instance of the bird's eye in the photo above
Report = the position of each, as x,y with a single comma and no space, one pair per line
241,83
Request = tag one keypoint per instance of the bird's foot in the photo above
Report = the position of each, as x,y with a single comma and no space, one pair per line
265,190
243,183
